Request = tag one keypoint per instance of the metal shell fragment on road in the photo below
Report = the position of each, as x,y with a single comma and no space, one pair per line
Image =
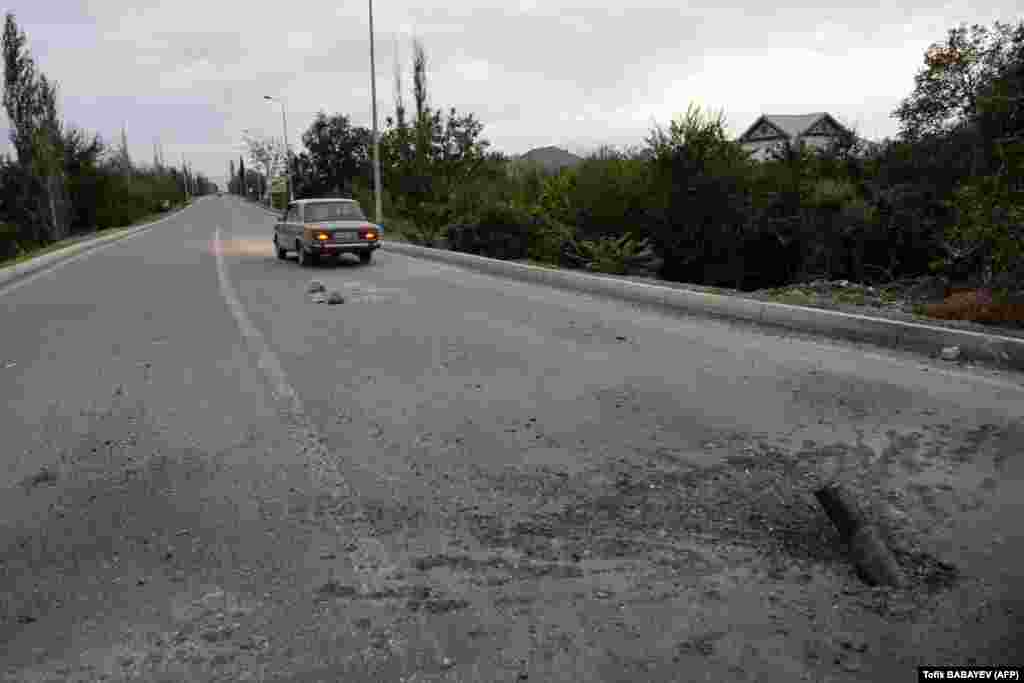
315,286
335,298
869,553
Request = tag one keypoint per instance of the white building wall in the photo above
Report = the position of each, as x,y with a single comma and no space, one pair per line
761,149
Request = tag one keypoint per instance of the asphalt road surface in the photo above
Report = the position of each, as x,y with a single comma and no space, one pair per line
452,477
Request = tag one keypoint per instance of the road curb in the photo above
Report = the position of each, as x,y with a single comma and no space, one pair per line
997,350
20,271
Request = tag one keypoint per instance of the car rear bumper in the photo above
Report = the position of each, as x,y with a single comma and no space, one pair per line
343,247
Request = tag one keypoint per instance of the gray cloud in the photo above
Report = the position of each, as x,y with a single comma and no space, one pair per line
194,72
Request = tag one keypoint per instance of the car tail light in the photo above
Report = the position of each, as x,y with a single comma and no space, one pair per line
322,236
368,234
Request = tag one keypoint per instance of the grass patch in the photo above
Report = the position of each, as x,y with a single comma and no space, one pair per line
32,253
542,264
889,296
791,295
853,297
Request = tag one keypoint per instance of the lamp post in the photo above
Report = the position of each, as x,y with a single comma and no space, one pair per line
376,140
287,147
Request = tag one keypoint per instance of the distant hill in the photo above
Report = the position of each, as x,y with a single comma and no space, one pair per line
550,158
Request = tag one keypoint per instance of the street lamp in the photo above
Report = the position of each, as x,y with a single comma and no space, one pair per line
376,140
287,146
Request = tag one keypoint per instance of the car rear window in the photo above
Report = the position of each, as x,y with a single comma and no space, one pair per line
334,211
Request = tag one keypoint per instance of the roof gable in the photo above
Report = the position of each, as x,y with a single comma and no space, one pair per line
763,129
827,126
790,126
795,125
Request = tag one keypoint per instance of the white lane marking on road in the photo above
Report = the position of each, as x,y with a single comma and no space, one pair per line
312,441
18,284
268,361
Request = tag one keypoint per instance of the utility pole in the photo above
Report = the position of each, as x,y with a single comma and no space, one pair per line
376,137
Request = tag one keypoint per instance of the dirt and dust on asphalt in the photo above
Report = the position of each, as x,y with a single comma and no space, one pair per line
580,513
645,567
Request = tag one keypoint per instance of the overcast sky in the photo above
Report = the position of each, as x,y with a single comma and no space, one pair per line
193,73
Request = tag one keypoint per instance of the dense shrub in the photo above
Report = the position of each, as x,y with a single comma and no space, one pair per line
279,200
608,195
498,231
121,199
9,247
548,239
611,255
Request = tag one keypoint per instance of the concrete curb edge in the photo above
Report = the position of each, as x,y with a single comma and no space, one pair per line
992,349
1003,352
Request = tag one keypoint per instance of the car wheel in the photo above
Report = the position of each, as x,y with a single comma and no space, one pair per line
304,258
281,251
365,256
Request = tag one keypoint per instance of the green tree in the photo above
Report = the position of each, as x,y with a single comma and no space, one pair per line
337,154
1000,117
269,154
989,227
82,155
30,101
700,203
955,77
610,193
122,157
430,162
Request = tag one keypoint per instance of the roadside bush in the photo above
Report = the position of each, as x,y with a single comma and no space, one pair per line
524,183
9,247
499,231
911,220
610,255
21,196
989,227
556,196
122,199
609,194
548,239
702,208
279,200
